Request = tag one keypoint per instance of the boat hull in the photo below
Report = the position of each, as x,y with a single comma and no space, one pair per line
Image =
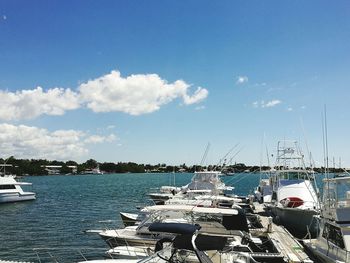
16,197
297,221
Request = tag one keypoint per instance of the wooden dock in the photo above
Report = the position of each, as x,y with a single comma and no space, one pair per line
287,245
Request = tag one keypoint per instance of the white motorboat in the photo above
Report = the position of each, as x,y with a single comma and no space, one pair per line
294,200
333,241
207,181
212,220
11,191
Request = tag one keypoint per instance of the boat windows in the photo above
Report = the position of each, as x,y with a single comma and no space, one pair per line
7,186
334,235
343,193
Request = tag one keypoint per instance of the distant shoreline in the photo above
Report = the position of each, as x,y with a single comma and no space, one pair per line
40,167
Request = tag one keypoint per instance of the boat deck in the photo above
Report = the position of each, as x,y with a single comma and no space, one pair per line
287,245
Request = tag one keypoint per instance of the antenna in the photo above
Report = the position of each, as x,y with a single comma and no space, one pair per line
307,145
325,151
205,153
224,158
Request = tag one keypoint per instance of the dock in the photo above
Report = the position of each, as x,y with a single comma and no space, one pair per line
288,246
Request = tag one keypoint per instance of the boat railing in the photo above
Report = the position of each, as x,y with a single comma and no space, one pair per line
115,242
64,254
126,250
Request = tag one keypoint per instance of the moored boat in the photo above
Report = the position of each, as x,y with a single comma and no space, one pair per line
11,190
333,241
291,192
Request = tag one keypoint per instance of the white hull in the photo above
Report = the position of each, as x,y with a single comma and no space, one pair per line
16,197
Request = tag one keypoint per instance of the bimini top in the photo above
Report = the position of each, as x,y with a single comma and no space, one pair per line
191,208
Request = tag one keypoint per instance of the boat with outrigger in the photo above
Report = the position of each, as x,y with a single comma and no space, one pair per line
202,182
290,191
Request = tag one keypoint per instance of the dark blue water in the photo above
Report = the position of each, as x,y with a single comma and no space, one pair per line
67,205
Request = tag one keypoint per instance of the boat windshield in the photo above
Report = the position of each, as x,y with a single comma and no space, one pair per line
343,193
205,177
337,192
294,175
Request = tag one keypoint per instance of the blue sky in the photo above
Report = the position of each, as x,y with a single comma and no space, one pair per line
155,81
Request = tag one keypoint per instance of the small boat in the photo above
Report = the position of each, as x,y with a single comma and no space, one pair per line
333,241
11,191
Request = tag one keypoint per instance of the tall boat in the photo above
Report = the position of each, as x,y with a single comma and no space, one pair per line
333,241
11,191
294,200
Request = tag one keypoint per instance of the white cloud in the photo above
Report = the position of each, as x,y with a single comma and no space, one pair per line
241,79
100,139
4,17
271,103
263,104
32,142
28,104
135,94
289,109
110,127
199,95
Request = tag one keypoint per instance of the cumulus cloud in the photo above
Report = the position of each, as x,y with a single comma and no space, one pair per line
241,79
135,94
32,142
28,104
263,104
271,103
199,95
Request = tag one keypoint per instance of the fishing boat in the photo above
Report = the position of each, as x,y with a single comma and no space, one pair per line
294,199
11,191
212,220
333,241
206,181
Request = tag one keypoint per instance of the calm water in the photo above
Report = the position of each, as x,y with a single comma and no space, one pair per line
68,205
